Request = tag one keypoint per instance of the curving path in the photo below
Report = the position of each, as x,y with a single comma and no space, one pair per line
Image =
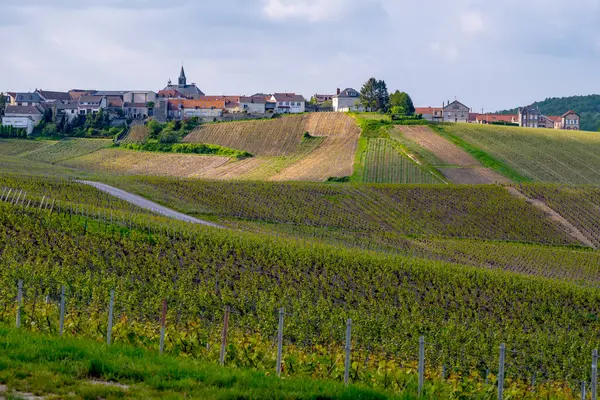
147,204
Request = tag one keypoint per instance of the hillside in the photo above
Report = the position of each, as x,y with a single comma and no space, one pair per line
588,107
531,155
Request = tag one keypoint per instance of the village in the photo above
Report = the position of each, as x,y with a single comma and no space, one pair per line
183,100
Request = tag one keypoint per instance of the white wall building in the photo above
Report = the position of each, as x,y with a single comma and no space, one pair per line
288,103
346,100
22,117
456,112
253,104
140,96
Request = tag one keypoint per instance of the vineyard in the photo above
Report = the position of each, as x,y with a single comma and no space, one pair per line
136,134
543,155
275,137
456,164
463,312
465,212
384,163
66,149
14,147
579,205
116,161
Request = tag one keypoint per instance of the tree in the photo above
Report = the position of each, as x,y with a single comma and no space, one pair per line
2,104
402,99
374,95
368,94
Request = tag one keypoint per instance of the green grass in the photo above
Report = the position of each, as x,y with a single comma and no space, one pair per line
48,365
539,155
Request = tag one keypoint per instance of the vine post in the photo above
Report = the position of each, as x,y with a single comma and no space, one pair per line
19,302
421,364
280,341
163,325
501,372
111,306
62,309
224,336
348,349
595,374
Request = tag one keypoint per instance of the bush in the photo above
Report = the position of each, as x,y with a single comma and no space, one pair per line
187,148
168,138
11,132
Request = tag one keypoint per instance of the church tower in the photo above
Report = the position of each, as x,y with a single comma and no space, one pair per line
182,78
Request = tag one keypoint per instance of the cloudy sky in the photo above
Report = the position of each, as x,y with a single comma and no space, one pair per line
489,54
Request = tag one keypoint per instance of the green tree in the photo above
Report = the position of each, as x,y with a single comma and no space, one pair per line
2,103
374,95
368,94
382,95
402,99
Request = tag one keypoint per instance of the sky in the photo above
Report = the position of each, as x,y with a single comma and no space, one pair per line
488,54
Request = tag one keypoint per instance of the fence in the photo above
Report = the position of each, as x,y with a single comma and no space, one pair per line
350,343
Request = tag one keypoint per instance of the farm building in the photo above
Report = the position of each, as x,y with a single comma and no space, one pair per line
430,113
456,112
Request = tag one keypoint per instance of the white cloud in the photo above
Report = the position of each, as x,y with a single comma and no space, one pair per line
471,22
448,52
305,10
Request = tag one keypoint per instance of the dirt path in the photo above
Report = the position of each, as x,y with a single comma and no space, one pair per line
553,215
470,171
147,204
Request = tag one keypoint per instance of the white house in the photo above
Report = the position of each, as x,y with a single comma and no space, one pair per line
253,104
347,100
136,110
70,109
288,103
456,112
91,104
22,117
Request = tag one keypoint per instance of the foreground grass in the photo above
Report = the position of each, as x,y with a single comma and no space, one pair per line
74,369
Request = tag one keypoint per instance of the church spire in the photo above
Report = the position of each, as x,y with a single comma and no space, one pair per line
182,78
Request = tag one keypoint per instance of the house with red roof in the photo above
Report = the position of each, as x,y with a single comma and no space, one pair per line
435,114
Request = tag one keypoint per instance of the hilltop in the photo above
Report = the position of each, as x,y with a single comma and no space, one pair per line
588,107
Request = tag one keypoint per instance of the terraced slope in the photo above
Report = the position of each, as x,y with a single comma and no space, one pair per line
459,166
274,137
542,155
66,149
334,157
466,212
129,162
14,147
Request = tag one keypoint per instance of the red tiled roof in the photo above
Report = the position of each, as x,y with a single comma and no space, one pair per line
427,110
553,118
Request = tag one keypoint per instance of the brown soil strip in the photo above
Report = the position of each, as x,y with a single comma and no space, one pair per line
471,172
554,216
465,176
442,148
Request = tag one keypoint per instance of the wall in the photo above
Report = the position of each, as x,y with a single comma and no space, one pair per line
345,103
253,108
461,114
19,122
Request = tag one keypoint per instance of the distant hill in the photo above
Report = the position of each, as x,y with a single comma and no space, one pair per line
588,107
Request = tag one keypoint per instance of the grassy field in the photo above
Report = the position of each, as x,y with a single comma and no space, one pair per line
44,365
541,155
